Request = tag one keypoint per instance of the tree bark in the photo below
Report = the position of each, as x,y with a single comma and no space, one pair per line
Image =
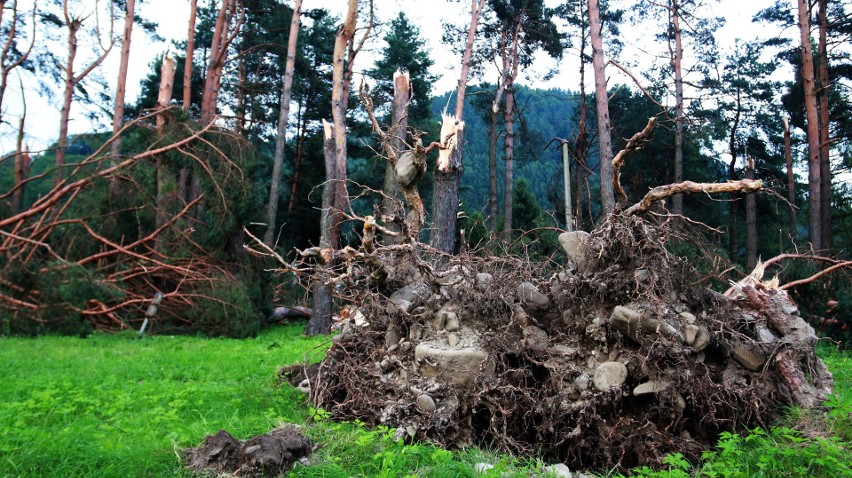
121,84
814,176
166,181
21,166
677,200
334,191
791,183
297,162
508,160
822,91
190,52
283,123
445,192
320,321
751,220
398,132
732,173
493,211
604,128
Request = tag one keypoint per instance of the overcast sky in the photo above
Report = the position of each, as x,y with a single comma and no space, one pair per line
172,16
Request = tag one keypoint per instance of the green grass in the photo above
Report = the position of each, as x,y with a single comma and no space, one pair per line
115,405
120,406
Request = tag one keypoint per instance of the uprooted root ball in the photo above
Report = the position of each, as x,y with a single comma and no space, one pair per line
616,359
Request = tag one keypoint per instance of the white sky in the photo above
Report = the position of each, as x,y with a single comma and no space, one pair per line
172,16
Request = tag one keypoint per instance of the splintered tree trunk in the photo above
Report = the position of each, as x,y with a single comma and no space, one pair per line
445,192
824,142
334,147
508,159
791,184
297,162
732,173
320,321
283,123
398,131
751,220
604,129
493,211
121,85
677,200
814,176
166,182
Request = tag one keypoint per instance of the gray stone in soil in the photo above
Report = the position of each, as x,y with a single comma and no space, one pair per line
409,296
426,403
610,375
392,337
459,366
625,320
690,333
702,340
529,294
574,245
751,358
453,340
651,387
560,469
406,169
484,280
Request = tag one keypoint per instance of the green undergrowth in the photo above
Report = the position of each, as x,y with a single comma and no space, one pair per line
119,406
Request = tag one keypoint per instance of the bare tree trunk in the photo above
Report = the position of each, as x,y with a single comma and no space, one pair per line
751,220
166,187
732,173
73,24
791,184
604,128
240,106
445,192
334,191
190,52
822,91
121,84
580,143
283,123
21,166
320,321
677,200
183,174
493,211
814,176
508,160
398,132
297,163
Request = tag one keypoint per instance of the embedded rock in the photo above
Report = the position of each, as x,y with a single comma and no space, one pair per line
460,366
610,375
574,245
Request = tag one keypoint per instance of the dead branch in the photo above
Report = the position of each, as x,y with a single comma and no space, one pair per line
633,144
660,193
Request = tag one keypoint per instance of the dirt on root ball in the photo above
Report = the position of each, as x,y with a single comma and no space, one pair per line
270,454
611,359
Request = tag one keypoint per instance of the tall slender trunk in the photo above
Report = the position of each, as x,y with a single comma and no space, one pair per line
240,100
604,128
822,91
334,147
445,192
297,162
791,184
190,52
508,160
493,210
67,97
814,176
580,142
677,200
398,132
21,166
751,219
121,84
166,187
732,172
283,123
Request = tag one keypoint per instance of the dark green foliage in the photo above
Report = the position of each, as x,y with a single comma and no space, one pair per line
526,209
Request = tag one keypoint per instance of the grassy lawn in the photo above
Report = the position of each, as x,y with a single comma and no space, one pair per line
120,406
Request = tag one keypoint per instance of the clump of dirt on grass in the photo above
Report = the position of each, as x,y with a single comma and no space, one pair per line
270,454
611,360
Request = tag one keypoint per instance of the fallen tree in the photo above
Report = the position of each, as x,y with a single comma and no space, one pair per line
611,359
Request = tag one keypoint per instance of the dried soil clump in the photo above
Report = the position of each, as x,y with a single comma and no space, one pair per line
614,359
270,454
